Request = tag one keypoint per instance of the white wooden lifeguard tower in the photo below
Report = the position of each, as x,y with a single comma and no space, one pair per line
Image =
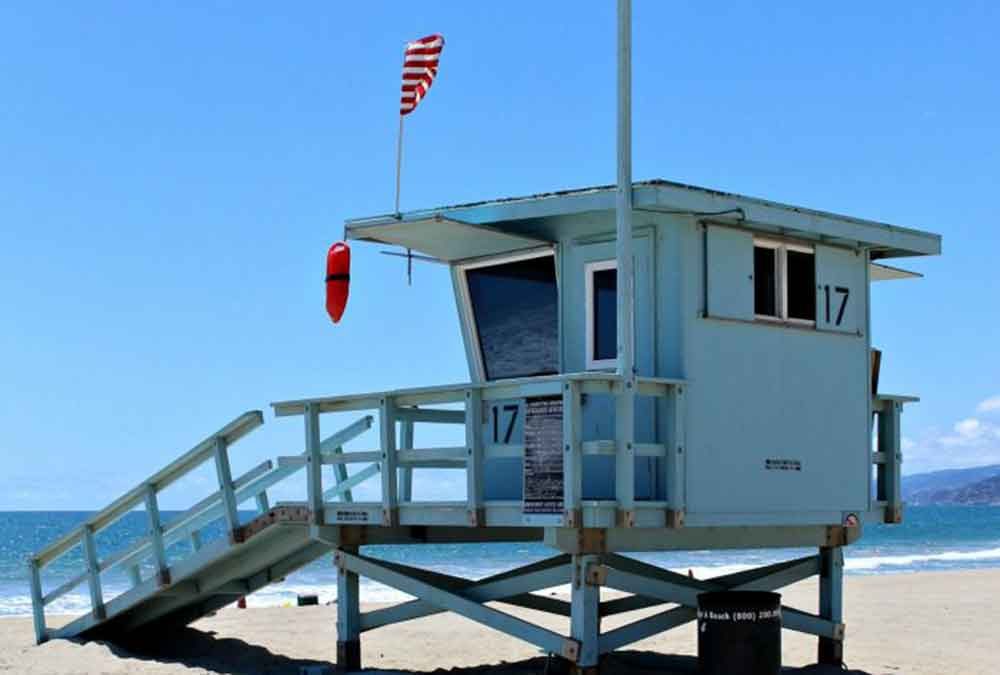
654,367
747,424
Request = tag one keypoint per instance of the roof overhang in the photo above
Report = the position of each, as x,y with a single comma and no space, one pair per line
443,238
883,240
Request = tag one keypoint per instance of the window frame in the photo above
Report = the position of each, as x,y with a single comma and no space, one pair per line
588,271
781,249
468,316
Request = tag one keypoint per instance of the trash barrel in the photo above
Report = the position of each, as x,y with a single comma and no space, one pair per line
306,599
739,633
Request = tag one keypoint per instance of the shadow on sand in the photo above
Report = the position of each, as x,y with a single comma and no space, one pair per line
231,656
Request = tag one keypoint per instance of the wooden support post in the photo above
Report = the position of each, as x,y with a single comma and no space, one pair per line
348,614
93,573
889,444
406,472
387,433
37,603
314,458
156,537
585,615
134,577
625,451
474,450
831,598
263,504
195,537
572,456
674,461
226,492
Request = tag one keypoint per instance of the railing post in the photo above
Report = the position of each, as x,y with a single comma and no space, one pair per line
406,472
93,573
625,450
675,463
195,537
134,577
572,456
387,433
314,485
225,475
156,537
37,603
474,450
889,445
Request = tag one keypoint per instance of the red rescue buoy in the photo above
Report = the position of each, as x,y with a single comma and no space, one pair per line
338,279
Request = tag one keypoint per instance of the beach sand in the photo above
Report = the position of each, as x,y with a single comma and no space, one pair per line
914,624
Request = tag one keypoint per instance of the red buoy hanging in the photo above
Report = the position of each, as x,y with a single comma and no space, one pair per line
338,279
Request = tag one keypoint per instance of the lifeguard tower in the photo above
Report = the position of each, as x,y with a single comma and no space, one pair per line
654,367
747,423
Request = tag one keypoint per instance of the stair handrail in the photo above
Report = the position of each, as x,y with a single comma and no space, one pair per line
169,474
216,445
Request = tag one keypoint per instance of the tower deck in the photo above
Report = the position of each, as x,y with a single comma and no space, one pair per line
586,535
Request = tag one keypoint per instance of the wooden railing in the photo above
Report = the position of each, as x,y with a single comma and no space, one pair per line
393,461
888,456
399,458
189,525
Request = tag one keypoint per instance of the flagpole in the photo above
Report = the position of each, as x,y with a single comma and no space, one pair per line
399,160
623,201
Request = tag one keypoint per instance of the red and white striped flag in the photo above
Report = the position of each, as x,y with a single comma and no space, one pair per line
420,67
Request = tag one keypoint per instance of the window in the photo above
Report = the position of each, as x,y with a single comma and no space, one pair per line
515,315
602,314
801,287
765,281
784,282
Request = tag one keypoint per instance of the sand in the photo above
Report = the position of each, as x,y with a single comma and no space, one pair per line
915,624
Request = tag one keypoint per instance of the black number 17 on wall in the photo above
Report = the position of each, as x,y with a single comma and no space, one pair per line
510,408
845,293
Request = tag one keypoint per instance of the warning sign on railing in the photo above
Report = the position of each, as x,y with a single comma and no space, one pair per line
543,457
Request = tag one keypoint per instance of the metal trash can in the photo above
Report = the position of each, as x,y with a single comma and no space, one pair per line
739,633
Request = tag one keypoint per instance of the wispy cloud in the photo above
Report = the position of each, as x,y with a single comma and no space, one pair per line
992,404
972,441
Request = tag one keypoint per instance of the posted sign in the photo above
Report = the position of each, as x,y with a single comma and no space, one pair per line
543,460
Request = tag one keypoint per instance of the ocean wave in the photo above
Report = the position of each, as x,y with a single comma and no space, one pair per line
871,563
20,605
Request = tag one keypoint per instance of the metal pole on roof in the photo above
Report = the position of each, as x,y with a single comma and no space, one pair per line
623,203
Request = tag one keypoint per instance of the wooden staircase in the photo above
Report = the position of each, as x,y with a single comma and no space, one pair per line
207,575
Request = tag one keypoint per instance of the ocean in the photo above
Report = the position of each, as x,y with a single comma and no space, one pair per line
932,538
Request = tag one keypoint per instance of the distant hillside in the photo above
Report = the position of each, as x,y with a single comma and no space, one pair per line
978,485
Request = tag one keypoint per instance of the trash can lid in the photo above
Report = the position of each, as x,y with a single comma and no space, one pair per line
739,600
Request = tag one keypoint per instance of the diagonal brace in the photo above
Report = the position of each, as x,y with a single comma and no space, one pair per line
513,587
444,599
764,578
798,569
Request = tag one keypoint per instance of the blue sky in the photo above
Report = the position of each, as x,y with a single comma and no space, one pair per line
171,175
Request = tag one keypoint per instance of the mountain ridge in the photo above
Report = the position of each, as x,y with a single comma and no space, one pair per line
978,485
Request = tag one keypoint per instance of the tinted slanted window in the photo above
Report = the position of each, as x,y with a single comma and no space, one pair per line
514,306
801,285
605,313
765,281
